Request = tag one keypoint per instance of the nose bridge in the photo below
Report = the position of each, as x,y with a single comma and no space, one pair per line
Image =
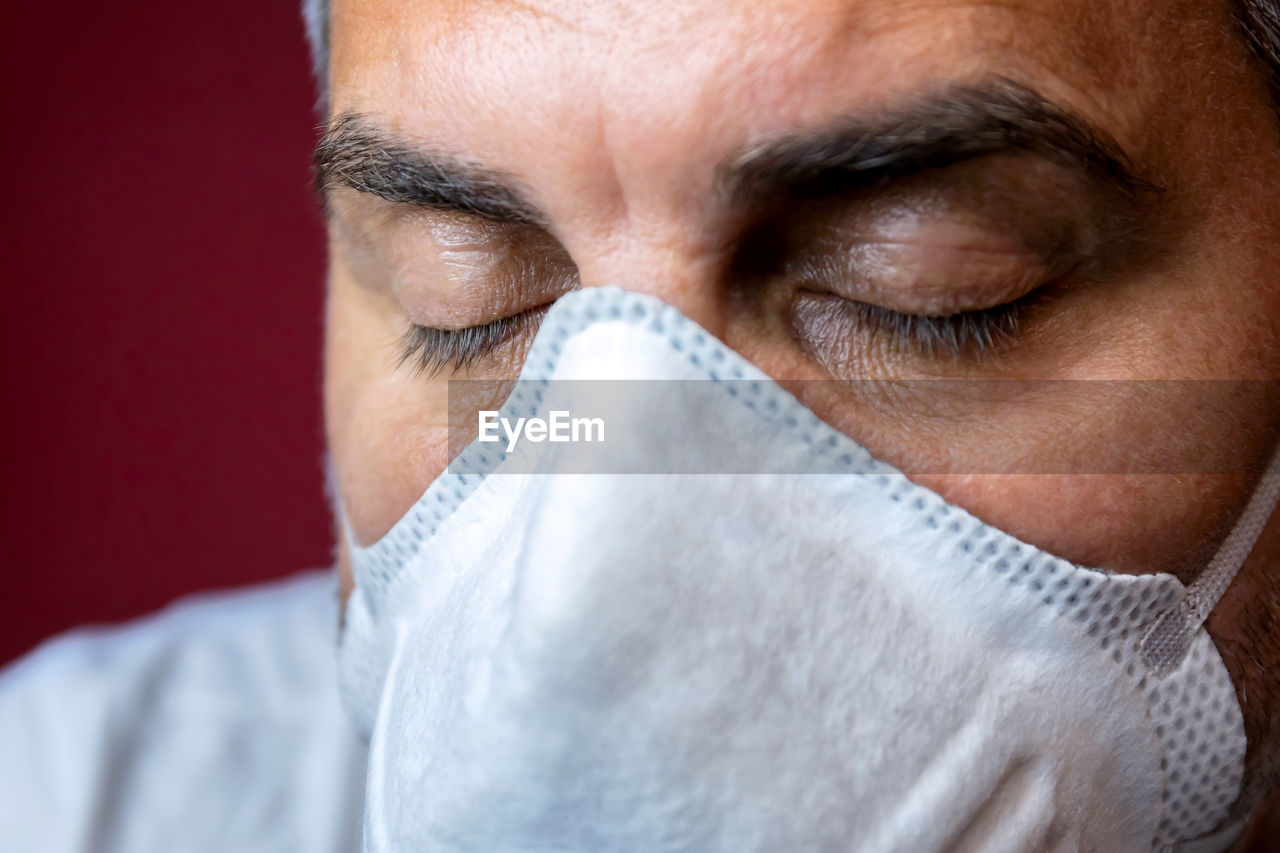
676,269
649,221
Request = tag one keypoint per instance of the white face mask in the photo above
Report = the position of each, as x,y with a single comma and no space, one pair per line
836,660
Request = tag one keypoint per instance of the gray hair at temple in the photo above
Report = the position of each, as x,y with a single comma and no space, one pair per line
315,17
1258,21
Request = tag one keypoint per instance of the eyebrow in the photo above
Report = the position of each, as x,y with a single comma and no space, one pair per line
944,128
353,153
957,123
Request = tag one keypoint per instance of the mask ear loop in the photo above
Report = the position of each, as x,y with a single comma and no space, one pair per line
1168,640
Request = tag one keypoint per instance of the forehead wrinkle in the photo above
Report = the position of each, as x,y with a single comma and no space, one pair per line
538,12
642,61
763,96
637,120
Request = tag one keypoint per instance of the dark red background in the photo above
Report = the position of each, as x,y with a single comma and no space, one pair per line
162,308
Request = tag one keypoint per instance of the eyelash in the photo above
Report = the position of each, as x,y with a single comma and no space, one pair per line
979,333
431,350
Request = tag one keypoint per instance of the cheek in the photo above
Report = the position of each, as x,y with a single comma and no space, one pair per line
1135,524
1154,473
386,427
385,461
1132,476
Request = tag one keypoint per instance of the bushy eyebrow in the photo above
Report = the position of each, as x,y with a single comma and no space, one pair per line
954,124
354,153
943,128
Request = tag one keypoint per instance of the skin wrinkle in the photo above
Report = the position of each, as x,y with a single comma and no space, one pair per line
630,201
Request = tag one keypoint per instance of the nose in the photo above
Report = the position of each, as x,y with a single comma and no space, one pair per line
688,278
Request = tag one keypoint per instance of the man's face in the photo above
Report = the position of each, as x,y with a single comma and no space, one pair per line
839,190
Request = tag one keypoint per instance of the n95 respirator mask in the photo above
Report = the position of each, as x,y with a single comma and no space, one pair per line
551,656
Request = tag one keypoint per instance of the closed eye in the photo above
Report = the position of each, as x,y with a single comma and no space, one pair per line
974,333
835,328
430,350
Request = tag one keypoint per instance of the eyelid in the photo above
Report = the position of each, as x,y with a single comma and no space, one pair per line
450,270
920,279
979,334
936,286
433,350
939,243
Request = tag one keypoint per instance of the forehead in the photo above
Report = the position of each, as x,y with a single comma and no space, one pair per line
552,89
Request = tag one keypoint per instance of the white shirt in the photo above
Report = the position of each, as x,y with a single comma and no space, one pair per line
214,725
